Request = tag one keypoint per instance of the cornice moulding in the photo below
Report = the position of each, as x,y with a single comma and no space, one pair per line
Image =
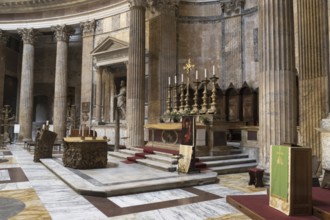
66,20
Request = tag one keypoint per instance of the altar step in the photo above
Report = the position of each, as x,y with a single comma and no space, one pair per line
233,163
159,160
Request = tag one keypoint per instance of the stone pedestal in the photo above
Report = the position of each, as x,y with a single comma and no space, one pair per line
325,142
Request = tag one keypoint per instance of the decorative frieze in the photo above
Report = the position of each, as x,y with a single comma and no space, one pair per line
88,28
62,32
232,6
28,35
137,3
163,5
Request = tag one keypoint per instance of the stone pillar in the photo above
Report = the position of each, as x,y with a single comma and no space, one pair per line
98,101
312,66
3,41
26,92
136,74
107,92
88,29
62,35
278,95
163,52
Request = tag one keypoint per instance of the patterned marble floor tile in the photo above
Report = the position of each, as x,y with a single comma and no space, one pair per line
33,209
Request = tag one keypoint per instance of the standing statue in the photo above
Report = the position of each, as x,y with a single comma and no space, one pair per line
121,99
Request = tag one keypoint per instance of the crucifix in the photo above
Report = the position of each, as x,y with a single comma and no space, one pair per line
188,67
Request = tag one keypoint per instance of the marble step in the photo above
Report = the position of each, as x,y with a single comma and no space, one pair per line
161,158
157,164
237,168
224,157
219,163
118,154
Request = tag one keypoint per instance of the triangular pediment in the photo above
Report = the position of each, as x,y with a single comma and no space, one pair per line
109,44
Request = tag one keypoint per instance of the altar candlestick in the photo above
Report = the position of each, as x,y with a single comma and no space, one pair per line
182,77
169,80
175,79
196,75
205,74
213,71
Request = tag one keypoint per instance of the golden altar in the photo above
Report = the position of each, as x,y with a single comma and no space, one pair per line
87,153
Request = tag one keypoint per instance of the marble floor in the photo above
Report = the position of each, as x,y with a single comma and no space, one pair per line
29,190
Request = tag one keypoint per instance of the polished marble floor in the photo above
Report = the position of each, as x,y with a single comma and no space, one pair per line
28,190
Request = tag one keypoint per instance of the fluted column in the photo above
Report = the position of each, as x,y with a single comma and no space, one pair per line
163,52
88,29
278,95
312,65
3,41
62,35
26,92
107,92
136,74
98,101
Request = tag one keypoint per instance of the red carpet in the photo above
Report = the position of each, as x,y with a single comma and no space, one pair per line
256,206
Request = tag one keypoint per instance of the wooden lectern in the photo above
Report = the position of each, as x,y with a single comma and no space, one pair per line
291,179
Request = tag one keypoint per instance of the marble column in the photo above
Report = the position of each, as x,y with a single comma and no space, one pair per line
312,66
26,92
3,41
62,35
107,92
88,29
136,74
278,92
163,52
98,101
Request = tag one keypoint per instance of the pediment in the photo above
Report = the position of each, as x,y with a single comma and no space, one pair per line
110,51
109,44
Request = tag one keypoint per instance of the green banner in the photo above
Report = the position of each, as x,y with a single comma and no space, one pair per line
279,176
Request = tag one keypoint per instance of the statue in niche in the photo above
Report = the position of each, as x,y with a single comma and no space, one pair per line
121,100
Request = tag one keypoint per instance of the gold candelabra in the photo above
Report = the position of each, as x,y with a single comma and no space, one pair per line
168,102
195,109
213,109
204,105
175,99
188,67
182,85
187,107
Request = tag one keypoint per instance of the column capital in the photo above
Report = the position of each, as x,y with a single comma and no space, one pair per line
138,3
88,27
28,35
3,37
230,6
62,32
163,5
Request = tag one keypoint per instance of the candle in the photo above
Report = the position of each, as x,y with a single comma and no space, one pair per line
83,131
213,71
43,127
182,77
169,80
205,74
196,75
175,79
47,122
